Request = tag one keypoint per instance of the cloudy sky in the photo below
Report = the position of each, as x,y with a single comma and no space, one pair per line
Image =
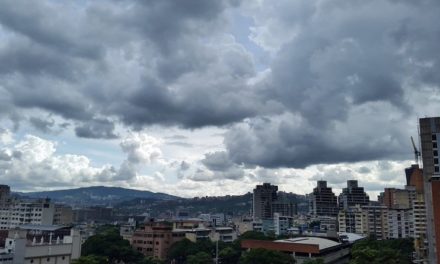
210,97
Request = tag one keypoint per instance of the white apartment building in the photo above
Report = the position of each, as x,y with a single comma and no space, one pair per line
19,212
400,223
282,224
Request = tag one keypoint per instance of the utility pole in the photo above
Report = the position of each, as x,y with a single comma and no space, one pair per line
216,250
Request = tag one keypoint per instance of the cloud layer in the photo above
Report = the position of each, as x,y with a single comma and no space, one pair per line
290,84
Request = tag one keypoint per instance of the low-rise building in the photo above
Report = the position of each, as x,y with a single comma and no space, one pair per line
305,248
42,244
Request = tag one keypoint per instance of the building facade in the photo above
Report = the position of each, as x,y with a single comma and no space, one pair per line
322,201
430,139
155,238
263,198
19,212
48,244
353,195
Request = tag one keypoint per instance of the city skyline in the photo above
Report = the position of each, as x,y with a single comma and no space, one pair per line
214,97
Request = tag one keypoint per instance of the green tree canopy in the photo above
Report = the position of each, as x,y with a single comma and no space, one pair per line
111,246
199,258
264,256
372,251
90,259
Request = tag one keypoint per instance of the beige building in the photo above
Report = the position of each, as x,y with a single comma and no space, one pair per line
155,238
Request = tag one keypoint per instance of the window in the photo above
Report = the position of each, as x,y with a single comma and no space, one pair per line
435,153
434,145
434,137
435,161
436,169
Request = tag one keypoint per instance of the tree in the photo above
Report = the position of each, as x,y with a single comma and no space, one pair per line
91,259
264,256
391,251
199,258
110,245
229,255
314,261
151,260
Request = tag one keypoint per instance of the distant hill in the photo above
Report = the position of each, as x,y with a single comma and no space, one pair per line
97,195
229,204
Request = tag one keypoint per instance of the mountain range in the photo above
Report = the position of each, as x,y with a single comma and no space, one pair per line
97,195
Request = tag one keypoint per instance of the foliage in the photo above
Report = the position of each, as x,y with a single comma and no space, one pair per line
229,255
391,251
110,245
199,258
264,256
314,261
90,259
151,260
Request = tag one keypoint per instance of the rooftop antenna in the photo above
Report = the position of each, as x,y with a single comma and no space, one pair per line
416,151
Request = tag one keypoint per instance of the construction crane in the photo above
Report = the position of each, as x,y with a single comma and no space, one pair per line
416,151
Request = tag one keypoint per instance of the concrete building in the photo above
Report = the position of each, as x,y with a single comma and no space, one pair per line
63,215
282,224
365,220
377,221
43,244
263,198
155,238
305,248
414,177
430,139
93,214
400,223
394,198
323,201
224,234
19,212
353,195
5,192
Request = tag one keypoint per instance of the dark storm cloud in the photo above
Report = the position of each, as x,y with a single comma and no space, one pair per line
344,79
145,62
97,128
338,88
44,125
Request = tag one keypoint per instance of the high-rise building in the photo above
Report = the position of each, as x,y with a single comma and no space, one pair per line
414,177
394,198
284,206
5,192
322,201
264,197
430,138
353,195
415,182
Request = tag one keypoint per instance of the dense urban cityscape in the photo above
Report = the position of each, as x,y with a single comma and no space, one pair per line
219,132
325,230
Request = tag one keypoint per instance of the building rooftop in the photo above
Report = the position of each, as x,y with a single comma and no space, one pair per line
351,237
323,243
40,227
